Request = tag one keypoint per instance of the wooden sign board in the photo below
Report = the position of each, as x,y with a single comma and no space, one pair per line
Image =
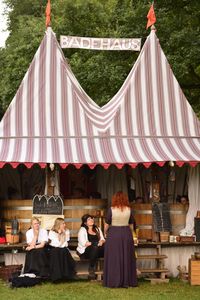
47,205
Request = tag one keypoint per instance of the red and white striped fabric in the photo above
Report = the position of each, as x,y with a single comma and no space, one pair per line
52,120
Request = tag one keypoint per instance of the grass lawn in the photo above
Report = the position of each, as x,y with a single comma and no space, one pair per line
174,290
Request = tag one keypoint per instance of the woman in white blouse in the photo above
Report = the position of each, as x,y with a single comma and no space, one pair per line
90,243
36,261
62,265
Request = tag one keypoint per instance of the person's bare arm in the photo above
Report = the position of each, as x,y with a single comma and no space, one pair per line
106,226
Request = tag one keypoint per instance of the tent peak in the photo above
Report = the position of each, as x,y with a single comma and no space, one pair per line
49,30
153,28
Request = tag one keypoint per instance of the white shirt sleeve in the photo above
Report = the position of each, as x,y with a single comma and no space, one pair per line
67,235
82,237
42,237
101,234
29,236
54,241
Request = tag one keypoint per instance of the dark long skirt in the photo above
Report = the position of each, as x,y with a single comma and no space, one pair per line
119,258
62,265
37,262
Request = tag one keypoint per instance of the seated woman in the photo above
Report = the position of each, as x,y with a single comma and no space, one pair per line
90,243
62,265
36,256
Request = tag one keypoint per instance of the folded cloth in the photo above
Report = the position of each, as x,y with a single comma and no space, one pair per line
31,275
2,240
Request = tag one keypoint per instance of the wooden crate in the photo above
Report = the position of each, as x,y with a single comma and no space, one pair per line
194,272
187,239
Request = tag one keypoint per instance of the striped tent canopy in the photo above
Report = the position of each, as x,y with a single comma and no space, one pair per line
52,120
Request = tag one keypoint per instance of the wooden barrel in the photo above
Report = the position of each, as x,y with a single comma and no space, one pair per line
21,209
74,209
178,214
143,217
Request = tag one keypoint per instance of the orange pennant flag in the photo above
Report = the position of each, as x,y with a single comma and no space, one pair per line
151,17
48,14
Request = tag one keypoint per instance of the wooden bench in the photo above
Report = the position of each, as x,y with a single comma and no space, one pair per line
152,256
159,270
99,270
10,247
99,266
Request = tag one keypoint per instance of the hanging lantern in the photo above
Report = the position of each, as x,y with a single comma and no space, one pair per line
14,226
52,166
171,163
12,232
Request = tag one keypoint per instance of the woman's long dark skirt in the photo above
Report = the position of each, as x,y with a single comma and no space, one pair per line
62,265
119,258
37,262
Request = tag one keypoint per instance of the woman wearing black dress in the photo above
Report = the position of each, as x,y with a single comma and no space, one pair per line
90,243
62,265
36,261
119,258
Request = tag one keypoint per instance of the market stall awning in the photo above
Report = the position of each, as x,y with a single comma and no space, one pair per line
52,120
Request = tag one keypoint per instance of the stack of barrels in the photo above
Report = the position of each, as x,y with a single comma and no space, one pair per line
144,219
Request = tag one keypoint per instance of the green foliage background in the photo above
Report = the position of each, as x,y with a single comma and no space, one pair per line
101,73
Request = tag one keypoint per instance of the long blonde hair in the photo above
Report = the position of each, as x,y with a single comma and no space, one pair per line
56,226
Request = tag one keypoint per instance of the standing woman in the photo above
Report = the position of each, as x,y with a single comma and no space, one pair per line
90,243
62,265
36,256
119,258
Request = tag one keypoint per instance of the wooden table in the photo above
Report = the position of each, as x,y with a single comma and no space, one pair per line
11,247
168,256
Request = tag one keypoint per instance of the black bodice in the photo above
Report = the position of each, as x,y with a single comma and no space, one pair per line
93,238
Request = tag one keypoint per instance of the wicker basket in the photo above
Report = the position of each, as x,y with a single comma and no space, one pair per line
6,272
